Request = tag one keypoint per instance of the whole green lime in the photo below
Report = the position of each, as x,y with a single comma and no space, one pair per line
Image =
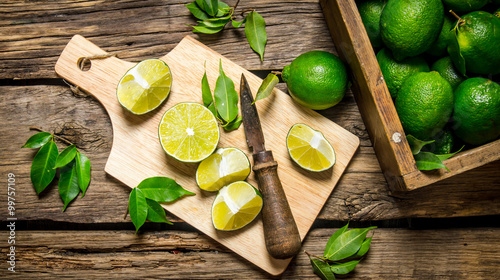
476,46
316,79
444,66
395,72
464,6
370,12
409,27
438,48
424,104
476,112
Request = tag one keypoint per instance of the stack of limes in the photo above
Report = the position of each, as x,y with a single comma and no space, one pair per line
460,39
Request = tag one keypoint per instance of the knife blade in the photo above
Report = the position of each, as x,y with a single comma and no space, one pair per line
280,230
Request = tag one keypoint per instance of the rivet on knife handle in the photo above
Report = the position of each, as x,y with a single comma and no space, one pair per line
280,231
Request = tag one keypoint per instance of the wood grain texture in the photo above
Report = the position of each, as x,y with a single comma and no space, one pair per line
378,111
394,254
136,153
33,36
360,195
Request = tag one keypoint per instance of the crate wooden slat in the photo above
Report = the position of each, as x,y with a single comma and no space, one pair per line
378,111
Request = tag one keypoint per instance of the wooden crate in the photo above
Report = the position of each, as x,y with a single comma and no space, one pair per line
378,111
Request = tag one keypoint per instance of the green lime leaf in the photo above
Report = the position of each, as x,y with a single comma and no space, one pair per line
331,241
138,208
162,189
322,269
38,140
202,28
454,51
365,246
223,9
42,167
206,92
226,97
344,268
197,11
211,7
428,161
416,144
347,244
156,213
447,156
68,184
66,156
238,24
217,22
255,30
212,109
266,87
235,124
82,164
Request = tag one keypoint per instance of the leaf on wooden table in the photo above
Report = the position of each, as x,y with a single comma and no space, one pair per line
138,208
223,9
211,7
255,31
329,245
38,140
197,11
226,97
162,189
66,156
82,164
344,268
68,184
347,244
238,24
266,87
322,269
156,213
42,167
202,28
365,246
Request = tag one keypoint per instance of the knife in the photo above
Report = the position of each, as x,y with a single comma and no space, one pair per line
280,230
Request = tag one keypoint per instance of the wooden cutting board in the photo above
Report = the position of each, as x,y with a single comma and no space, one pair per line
136,153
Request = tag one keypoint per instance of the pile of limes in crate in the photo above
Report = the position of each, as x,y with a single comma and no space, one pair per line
440,60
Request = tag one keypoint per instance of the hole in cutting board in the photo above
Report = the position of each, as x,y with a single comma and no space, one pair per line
84,64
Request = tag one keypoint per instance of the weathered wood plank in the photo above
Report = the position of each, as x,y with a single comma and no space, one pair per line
33,36
394,254
361,194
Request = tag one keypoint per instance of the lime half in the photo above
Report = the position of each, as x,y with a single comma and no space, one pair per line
189,132
225,166
145,86
309,148
235,206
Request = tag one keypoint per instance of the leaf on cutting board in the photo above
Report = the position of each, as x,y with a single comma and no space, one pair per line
156,213
266,87
162,189
226,97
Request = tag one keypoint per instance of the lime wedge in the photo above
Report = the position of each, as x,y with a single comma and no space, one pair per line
145,86
235,206
309,148
189,132
225,166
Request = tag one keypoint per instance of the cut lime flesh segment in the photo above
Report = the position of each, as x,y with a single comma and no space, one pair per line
189,132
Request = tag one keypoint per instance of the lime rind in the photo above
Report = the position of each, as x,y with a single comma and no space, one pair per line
316,152
152,92
222,168
197,137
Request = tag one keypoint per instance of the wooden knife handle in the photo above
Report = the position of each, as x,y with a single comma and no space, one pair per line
280,230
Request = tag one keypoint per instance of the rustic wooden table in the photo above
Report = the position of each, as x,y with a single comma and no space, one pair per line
448,230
